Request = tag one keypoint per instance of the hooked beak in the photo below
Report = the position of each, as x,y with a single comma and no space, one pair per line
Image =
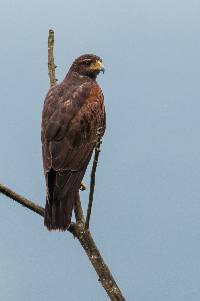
98,66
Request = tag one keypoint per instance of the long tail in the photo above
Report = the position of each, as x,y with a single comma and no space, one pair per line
62,189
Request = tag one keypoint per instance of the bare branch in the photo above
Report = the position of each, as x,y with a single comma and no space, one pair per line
51,65
21,200
105,277
85,239
93,173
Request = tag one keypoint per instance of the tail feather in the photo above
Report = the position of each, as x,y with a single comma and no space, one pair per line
62,188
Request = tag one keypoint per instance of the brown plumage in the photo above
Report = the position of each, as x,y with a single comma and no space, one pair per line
73,111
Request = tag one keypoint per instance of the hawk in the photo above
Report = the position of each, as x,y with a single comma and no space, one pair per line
73,112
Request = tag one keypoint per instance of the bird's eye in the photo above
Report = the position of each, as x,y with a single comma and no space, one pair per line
87,63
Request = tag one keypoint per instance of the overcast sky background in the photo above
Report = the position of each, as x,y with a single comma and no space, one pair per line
146,216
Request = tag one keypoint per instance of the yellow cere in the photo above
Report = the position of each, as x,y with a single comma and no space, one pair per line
97,65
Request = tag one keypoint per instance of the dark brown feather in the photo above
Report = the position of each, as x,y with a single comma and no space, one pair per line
73,111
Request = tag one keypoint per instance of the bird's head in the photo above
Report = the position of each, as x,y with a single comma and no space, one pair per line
88,65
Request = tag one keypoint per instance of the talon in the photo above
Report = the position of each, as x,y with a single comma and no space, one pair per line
99,131
82,187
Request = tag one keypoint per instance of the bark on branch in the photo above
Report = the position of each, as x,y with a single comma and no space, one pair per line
51,64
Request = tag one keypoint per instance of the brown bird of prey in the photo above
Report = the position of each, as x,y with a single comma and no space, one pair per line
73,112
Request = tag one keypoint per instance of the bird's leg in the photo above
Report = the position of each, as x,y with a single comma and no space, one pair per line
93,172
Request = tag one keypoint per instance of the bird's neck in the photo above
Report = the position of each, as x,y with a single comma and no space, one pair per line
75,76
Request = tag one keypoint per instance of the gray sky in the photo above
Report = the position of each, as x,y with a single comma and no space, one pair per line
146,217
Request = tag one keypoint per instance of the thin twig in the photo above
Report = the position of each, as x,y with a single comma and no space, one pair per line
85,239
93,173
51,65
21,200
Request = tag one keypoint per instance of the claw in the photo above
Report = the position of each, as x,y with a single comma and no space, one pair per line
82,187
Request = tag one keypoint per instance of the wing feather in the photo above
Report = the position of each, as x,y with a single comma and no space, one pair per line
69,132
71,117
